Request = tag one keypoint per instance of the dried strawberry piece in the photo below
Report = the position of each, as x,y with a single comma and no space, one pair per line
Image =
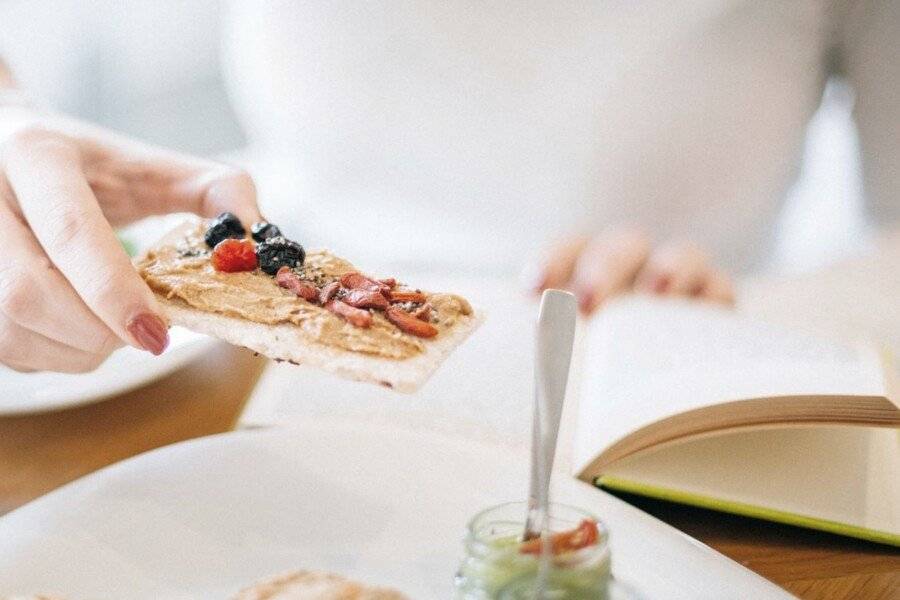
406,296
409,324
328,292
389,281
286,278
355,316
365,299
422,313
232,256
358,281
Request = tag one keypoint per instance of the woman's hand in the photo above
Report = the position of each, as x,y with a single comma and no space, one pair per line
621,260
69,294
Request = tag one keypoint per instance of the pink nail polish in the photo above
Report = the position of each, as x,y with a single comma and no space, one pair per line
150,332
586,302
661,284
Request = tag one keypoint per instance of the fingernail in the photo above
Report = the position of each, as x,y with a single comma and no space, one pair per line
586,302
661,284
150,332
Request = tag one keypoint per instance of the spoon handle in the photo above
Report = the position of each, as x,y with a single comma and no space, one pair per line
553,354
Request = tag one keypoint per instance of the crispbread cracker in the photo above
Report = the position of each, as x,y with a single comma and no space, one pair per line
311,585
286,342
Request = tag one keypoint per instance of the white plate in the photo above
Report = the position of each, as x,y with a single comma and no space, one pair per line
203,518
125,369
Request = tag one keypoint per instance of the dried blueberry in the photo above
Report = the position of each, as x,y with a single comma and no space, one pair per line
262,231
278,252
222,227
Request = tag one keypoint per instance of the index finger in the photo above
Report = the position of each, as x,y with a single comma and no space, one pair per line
43,169
155,180
607,266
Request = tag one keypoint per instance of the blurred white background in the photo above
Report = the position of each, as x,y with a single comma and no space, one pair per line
152,69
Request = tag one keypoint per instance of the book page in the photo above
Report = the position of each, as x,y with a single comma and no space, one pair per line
648,359
853,299
841,474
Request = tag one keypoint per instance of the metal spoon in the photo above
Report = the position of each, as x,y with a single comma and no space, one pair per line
553,353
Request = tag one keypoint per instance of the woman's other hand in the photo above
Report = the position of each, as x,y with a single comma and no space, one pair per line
621,260
69,294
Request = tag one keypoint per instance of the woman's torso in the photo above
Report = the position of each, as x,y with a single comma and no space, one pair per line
470,133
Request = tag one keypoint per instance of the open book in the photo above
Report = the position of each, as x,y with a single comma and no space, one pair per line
695,404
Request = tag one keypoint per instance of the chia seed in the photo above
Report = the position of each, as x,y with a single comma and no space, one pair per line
316,276
186,250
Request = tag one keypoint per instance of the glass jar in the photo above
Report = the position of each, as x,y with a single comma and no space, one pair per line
495,569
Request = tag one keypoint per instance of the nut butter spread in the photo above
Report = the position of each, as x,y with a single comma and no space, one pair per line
183,271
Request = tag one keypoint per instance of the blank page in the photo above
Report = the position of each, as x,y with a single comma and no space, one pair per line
843,474
648,359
